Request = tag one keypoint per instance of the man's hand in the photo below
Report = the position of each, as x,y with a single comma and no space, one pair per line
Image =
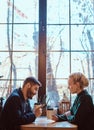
38,111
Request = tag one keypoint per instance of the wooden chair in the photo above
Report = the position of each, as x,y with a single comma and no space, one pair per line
64,106
1,103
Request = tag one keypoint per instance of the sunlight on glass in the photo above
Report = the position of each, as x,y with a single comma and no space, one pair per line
26,11
58,11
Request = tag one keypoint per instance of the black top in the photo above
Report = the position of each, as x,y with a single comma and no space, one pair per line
16,111
82,112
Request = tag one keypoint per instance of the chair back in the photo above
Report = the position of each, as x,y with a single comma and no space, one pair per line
64,106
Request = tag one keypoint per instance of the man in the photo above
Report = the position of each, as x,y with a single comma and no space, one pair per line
17,110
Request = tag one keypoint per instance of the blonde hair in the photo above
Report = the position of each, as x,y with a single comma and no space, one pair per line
81,78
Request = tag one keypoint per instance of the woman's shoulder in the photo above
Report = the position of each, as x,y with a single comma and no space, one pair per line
86,97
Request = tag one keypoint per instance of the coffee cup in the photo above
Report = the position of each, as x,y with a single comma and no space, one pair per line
50,112
36,105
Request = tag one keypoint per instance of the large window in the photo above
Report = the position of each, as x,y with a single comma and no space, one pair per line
48,39
19,30
70,44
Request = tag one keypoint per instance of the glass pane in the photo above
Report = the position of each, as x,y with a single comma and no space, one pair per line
81,61
5,37
83,38
16,36
4,88
6,11
58,38
25,64
26,12
5,65
58,64
25,40
57,11
82,11
55,89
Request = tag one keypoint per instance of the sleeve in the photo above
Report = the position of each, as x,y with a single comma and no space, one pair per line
18,115
62,117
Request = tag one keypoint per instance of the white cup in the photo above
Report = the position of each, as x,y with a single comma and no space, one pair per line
50,112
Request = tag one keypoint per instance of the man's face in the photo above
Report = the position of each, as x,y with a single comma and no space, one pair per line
32,91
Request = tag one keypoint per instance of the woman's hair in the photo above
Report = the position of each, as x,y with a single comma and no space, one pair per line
81,78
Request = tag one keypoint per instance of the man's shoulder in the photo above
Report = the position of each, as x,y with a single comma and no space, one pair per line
15,92
14,95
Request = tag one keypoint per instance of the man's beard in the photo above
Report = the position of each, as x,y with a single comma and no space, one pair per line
29,93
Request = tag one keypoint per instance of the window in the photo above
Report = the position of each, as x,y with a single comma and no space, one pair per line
19,30
70,30
48,39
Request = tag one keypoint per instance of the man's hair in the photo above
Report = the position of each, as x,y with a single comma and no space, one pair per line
31,80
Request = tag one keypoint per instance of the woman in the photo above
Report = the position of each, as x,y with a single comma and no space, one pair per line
82,111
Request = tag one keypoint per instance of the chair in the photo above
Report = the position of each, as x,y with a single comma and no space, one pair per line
1,103
64,106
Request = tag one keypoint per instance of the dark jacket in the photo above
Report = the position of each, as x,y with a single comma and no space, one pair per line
82,112
16,111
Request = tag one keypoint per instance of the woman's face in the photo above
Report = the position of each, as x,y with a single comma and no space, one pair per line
73,87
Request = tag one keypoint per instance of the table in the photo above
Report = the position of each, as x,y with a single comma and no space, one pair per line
42,123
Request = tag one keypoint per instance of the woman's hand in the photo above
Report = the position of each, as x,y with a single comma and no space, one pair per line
68,113
54,117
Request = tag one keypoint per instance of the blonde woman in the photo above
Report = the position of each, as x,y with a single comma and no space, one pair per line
82,111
